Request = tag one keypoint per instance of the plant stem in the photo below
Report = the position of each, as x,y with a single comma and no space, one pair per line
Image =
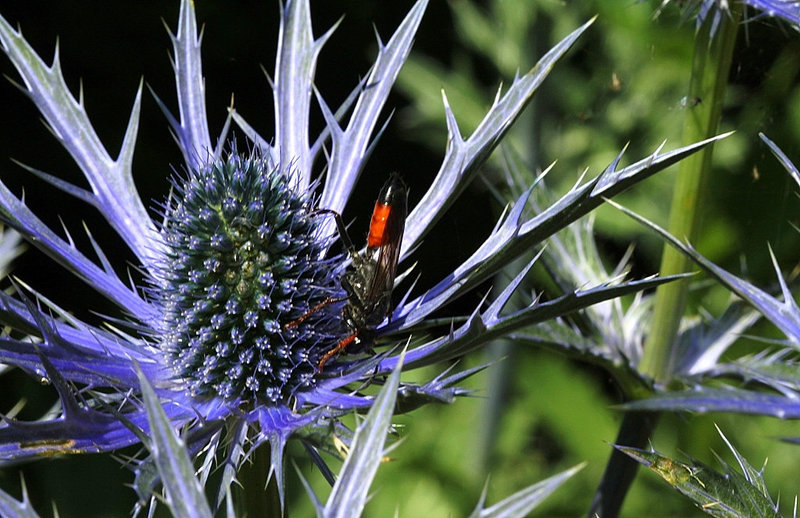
703,106
256,497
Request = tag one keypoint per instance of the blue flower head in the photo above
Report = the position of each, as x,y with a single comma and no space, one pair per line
242,297
244,261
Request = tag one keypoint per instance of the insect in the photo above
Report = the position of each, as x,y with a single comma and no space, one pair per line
369,278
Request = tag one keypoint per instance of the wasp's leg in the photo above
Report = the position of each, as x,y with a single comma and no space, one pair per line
340,346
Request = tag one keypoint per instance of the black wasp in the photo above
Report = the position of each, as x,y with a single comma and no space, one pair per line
369,278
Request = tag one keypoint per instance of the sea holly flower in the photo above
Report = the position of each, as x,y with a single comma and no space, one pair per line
241,294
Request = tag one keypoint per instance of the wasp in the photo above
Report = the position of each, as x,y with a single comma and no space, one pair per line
369,278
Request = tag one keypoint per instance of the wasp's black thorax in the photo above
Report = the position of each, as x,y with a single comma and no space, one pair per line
364,310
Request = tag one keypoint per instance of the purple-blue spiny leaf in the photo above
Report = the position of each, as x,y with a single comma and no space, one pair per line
728,494
706,399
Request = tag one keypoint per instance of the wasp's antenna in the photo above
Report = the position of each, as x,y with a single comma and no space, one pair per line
337,218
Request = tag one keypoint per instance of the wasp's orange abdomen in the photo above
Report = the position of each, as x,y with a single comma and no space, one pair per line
377,226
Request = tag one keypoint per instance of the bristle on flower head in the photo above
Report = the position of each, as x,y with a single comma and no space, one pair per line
244,259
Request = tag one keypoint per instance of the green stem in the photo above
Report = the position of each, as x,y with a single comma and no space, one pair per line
703,105
255,496
710,69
